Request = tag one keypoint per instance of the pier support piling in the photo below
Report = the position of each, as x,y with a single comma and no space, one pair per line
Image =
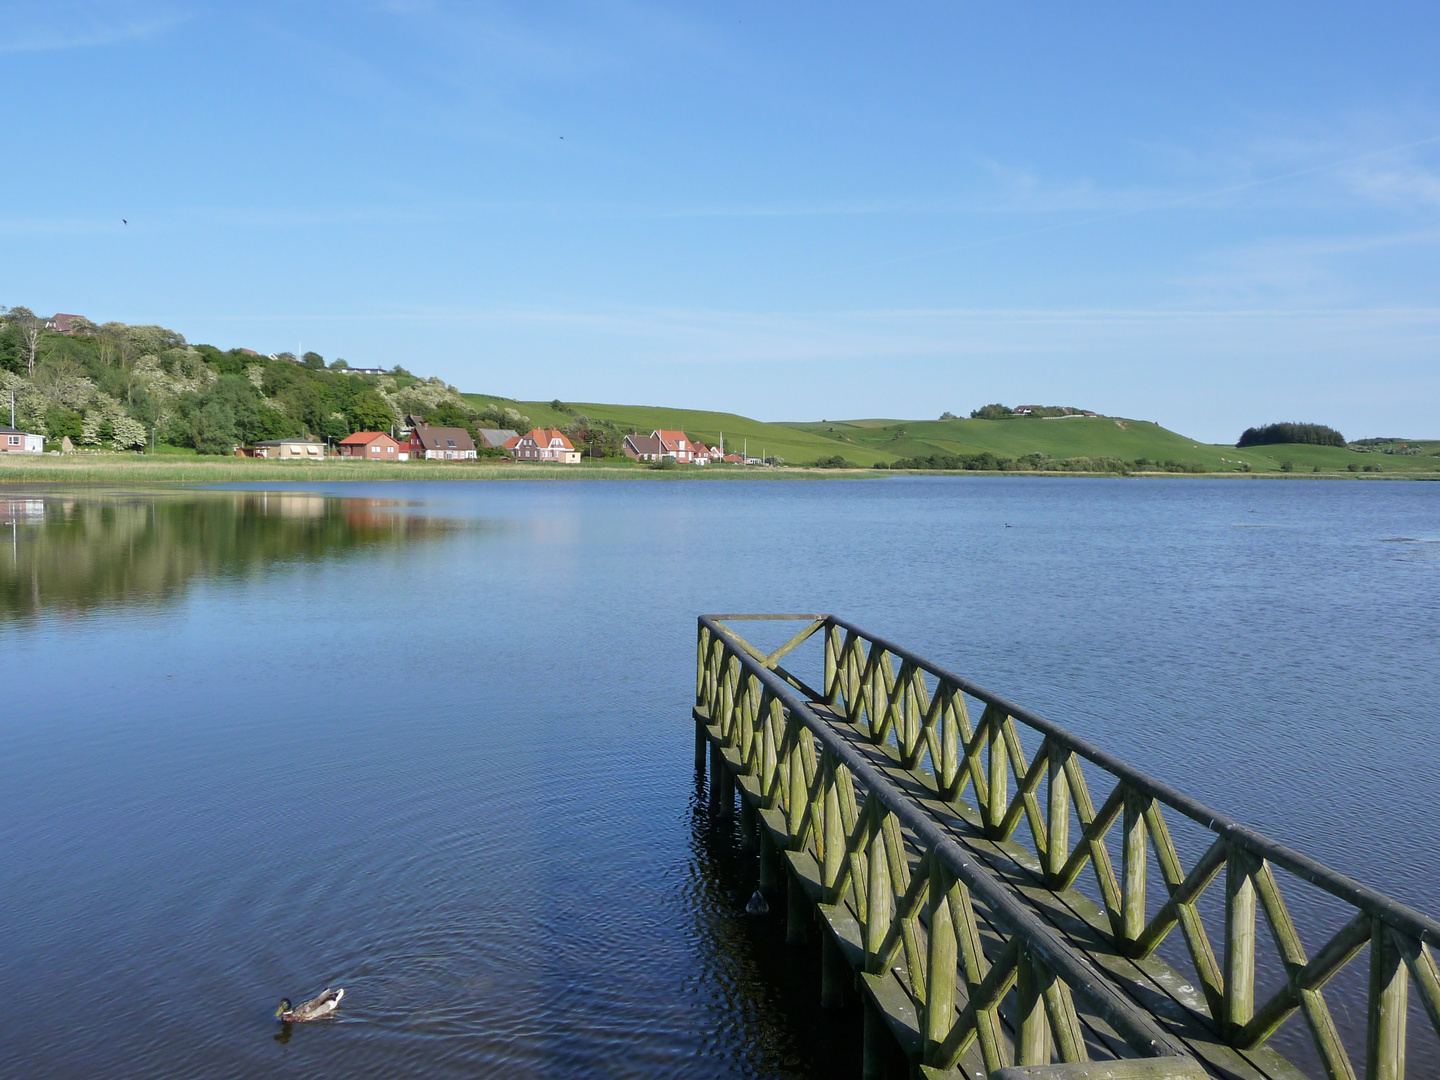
834,973
797,914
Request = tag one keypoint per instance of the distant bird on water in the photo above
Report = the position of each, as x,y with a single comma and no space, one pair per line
323,1004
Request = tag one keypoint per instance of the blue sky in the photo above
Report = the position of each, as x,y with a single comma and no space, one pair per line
1212,219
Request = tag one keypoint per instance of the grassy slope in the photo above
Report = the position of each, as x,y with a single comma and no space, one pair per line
865,442
1088,437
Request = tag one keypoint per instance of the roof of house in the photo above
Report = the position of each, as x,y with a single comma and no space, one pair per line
672,439
289,442
61,321
444,438
643,444
14,431
547,436
497,436
363,438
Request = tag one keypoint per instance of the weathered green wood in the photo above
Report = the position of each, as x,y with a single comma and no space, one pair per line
998,778
881,900
738,711
1388,998
1305,978
1239,941
942,959
1165,1068
874,1064
1060,1007
797,914
1032,1039
1057,813
1423,969
835,974
1132,866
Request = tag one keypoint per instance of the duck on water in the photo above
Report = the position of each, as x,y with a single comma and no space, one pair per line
322,1005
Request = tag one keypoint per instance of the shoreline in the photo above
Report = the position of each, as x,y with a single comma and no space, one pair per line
165,469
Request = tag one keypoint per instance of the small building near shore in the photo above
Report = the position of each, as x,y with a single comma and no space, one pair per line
15,441
440,443
546,444
498,438
370,445
290,450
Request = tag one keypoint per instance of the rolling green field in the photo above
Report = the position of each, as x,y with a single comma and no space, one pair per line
867,442
1095,437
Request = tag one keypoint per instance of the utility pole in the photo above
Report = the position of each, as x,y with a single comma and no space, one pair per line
12,408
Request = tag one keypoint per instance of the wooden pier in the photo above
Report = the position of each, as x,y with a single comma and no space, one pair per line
947,869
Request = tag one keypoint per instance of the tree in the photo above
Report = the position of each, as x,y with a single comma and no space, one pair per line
214,429
314,361
991,412
948,415
370,412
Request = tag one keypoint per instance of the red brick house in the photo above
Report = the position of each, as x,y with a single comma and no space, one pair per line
370,445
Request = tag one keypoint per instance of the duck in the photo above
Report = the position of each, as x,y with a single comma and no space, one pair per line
321,1005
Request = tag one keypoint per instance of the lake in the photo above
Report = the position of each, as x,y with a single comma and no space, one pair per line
431,741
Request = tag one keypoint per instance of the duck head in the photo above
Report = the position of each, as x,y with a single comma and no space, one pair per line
285,1007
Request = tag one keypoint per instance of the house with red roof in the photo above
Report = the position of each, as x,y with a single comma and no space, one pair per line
544,444
660,443
372,446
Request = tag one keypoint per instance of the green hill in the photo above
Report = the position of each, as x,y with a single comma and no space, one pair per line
1103,437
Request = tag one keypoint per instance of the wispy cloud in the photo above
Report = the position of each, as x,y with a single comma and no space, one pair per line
45,27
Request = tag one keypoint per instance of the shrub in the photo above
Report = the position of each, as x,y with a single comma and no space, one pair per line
1287,466
1353,467
1372,468
835,462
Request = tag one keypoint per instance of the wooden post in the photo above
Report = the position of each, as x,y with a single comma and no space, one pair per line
940,965
1389,997
1239,941
769,876
834,972
880,897
1057,815
833,837
1032,1039
873,1057
1132,868
700,741
721,785
797,912
999,761
749,821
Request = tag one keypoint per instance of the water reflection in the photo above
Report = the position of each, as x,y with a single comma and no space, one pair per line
76,554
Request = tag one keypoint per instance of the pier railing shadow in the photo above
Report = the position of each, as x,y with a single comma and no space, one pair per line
993,986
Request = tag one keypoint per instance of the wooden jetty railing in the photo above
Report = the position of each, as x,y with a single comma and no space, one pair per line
895,816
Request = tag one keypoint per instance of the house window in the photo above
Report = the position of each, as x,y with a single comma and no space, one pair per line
14,440
450,442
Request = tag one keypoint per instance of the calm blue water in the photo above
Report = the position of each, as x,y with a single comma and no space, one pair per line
431,741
